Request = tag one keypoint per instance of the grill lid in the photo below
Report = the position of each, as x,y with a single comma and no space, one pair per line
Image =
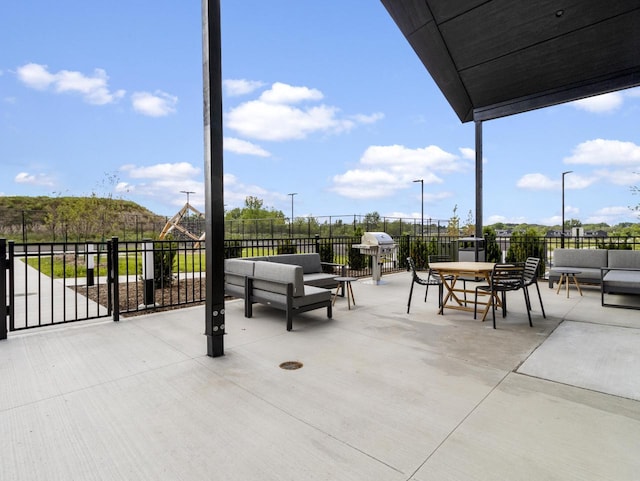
376,239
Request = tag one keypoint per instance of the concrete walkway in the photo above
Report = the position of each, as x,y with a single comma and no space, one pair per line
382,395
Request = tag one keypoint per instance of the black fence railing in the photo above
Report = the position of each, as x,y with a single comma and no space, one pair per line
55,283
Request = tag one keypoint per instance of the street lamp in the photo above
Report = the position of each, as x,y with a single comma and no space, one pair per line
187,192
421,206
563,174
291,222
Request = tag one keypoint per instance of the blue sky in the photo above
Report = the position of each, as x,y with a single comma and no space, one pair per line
324,99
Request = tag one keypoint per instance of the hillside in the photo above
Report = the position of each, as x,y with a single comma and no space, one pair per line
80,217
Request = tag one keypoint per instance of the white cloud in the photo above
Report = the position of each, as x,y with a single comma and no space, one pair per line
368,119
274,117
619,177
37,179
604,103
235,193
605,152
611,215
94,89
179,170
239,146
157,104
281,93
539,181
383,170
235,87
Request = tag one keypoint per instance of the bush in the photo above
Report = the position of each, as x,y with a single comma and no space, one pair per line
286,247
326,255
233,249
164,255
493,252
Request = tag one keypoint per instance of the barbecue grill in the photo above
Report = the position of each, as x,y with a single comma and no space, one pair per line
377,245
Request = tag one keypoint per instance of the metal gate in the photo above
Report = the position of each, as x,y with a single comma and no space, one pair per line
47,284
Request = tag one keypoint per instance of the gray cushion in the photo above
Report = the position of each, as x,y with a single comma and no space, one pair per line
622,279
313,295
310,262
579,258
319,279
235,271
624,258
281,274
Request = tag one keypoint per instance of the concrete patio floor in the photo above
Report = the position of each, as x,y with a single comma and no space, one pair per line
382,395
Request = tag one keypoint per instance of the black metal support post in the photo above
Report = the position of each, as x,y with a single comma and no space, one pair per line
213,176
479,181
4,311
115,284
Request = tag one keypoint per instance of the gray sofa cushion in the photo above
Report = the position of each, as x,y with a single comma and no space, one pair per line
310,262
580,258
281,275
627,280
312,295
235,270
624,259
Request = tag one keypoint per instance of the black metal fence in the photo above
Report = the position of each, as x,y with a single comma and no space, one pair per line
46,284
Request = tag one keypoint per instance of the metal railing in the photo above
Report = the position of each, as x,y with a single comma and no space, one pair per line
55,283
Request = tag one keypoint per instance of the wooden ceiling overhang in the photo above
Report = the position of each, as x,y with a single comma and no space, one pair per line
501,57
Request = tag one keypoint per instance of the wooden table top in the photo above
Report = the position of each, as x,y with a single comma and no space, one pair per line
463,267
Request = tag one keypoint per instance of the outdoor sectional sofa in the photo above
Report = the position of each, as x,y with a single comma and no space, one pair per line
293,283
617,271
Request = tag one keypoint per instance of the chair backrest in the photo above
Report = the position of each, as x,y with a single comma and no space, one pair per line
531,269
412,265
438,258
507,276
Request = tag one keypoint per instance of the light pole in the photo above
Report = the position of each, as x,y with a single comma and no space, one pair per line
291,222
421,206
187,192
562,238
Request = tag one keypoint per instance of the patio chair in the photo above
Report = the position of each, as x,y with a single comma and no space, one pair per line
429,281
504,278
531,277
432,273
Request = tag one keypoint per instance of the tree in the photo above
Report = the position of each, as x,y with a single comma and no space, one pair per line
469,228
453,229
371,220
493,253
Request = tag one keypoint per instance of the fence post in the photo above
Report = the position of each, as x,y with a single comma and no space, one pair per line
115,282
147,273
3,289
90,264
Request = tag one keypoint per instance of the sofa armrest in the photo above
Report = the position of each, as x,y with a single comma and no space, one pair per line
343,267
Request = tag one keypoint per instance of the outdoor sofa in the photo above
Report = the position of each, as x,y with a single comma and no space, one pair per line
617,271
276,285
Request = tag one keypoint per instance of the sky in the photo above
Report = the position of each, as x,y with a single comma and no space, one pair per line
324,100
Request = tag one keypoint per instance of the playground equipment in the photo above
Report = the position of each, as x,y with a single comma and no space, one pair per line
175,223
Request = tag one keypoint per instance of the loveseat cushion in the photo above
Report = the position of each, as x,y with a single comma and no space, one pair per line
274,277
627,280
313,295
235,270
310,262
624,259
580,258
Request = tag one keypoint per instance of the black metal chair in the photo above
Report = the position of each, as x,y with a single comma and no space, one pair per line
429,281
504,278
442,258
531,277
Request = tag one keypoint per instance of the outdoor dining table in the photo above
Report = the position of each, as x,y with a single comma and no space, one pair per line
451,272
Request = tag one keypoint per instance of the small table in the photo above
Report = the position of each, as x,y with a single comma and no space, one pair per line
565,276
450,272
344,283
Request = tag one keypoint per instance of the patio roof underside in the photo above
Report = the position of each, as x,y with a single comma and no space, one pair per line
501,57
